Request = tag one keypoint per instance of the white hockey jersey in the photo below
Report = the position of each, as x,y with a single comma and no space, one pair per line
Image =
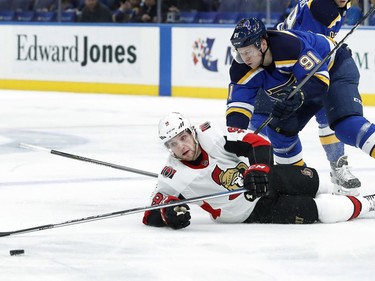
219,170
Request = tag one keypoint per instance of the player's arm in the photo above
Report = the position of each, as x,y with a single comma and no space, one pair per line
176,217
245,143
241,95
325,12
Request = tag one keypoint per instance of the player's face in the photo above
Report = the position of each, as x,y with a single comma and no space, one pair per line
341,3
250,55
183,146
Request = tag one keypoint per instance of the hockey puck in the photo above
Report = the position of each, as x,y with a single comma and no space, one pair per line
16,252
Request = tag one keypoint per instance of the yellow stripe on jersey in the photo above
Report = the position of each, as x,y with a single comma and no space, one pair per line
239,110
336,20
250,74
322,78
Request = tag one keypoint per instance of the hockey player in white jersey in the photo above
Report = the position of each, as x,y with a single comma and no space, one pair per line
205,160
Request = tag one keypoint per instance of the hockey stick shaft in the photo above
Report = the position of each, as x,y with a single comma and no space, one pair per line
122,213
316,68
85,159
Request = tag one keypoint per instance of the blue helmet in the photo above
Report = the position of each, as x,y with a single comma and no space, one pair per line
248,32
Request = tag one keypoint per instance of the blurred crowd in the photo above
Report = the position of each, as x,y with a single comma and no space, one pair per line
150,11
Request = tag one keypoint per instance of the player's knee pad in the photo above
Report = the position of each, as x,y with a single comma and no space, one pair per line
294,180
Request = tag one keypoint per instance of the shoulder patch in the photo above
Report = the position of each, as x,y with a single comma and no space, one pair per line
205,126
168,172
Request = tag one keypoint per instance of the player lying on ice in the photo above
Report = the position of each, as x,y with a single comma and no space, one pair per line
205,160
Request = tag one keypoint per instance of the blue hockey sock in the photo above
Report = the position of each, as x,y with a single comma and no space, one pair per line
357,131
332,146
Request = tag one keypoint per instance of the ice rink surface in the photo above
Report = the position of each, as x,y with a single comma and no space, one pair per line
38,188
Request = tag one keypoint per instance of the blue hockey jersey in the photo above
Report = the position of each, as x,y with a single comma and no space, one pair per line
319,16
294,54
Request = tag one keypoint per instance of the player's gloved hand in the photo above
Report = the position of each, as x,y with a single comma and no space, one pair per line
176,217
285,107
256,181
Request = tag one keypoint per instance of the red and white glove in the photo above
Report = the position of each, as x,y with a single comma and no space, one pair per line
256,181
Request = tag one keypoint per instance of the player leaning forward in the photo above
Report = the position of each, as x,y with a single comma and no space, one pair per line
275,62
205,160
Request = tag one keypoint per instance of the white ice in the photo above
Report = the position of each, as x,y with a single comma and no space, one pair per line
38,188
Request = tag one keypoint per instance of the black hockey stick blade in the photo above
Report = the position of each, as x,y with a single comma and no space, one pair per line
122,213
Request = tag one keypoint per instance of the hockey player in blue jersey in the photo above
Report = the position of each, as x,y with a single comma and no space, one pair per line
274,61
323,17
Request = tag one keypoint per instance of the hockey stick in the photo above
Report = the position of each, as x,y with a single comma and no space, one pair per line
122,213
315,69
81,158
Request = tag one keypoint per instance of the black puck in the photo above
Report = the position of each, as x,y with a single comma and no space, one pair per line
16,252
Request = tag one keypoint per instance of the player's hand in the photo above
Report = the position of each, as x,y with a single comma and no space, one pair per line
285,107
256,181
176,217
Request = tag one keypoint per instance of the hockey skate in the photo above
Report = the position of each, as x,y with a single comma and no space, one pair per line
371,199
345,183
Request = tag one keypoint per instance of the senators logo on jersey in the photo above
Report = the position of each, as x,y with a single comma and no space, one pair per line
232,178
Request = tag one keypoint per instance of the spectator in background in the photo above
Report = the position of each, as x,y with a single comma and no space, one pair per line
22,5
148,12
69,5
288,9
212,5
94,11
172,8
111,4
45,5
185,5
242,6
128,11
353,14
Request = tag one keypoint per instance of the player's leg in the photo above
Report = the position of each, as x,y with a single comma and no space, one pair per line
287,149
326,208
294,180
342,178
344,109
333,148
332,208
283,134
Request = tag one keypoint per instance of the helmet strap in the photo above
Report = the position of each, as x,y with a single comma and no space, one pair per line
263,53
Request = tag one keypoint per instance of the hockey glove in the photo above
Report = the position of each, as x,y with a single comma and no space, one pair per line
285,107
176,217
256,181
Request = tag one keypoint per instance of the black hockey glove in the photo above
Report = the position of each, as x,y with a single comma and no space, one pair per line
176,217
256,181
285,107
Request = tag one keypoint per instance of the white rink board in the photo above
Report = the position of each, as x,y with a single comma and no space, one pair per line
362,44
80,53
188,53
